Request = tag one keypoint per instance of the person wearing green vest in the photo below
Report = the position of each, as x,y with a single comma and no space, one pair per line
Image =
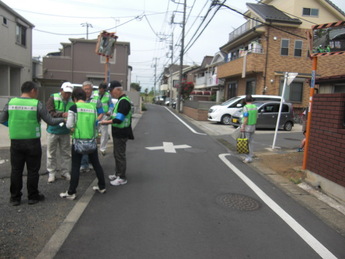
249,117
121,121
94,100
24,114
108,106
58,137
82,120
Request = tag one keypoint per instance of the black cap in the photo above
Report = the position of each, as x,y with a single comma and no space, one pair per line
114,84
103,86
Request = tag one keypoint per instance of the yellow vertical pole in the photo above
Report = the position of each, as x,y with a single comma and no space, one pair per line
311,94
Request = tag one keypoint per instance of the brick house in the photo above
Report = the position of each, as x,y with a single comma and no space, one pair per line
272,42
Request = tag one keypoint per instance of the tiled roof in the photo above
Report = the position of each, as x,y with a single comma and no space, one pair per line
271,14
335,7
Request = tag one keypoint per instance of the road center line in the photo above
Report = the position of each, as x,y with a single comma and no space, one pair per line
189,127
302,232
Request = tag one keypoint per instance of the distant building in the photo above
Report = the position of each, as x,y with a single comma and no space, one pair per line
77,62
15,51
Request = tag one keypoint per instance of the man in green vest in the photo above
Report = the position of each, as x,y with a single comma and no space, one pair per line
249,117
23,115
94,100
121,121
108,107
58,137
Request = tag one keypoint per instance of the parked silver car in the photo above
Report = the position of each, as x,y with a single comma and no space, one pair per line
268,114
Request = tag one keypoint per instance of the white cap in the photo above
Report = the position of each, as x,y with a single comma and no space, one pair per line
67,87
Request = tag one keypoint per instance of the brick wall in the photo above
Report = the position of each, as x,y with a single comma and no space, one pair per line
196,114
326,155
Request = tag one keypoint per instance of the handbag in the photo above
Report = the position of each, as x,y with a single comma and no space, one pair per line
242,145
236,133
85,146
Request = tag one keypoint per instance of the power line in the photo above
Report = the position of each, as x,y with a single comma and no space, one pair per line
78,34
81,17
190,43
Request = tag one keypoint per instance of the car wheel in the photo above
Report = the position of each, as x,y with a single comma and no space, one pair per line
288,126
226,119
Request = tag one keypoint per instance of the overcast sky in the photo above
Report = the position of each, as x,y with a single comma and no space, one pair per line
143,23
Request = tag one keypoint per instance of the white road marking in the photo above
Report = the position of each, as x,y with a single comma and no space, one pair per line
189,127
168,147
302,232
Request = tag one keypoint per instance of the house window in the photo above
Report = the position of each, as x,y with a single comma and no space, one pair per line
294,92
250,87
310,12
284,50
339,88
298,48
21,35
4,21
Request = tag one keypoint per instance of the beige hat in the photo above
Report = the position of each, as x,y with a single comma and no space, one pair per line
67,87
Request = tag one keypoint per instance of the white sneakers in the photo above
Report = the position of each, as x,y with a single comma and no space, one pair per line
51,177
247,160
96,189
67,176
67,196
112,177
118,181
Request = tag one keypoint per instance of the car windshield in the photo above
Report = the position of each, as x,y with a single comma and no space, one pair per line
226,103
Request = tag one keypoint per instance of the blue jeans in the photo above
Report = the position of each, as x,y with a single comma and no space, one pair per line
85,162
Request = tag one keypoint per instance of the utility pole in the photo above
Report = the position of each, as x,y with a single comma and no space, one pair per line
178,102
155,66
87,25
171,69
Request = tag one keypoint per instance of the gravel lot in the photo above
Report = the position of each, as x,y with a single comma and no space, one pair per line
25,229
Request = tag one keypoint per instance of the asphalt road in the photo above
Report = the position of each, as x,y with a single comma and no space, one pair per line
189,197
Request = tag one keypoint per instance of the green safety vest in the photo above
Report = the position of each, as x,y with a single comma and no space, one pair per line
127,121
23,122
86,121
105,100
252,113
93,100
60,106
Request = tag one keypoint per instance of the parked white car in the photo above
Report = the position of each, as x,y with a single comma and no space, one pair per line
222,113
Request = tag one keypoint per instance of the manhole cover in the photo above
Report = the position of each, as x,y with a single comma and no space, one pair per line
238,202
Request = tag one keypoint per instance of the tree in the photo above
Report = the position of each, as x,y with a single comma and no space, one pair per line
136,86
186,89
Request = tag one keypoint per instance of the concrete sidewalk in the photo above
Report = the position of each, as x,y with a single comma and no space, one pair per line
286,141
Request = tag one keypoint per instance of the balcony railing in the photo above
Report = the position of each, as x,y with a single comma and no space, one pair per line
242,29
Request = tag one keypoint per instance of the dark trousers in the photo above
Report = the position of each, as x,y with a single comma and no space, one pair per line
120,156
76,162
29,152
